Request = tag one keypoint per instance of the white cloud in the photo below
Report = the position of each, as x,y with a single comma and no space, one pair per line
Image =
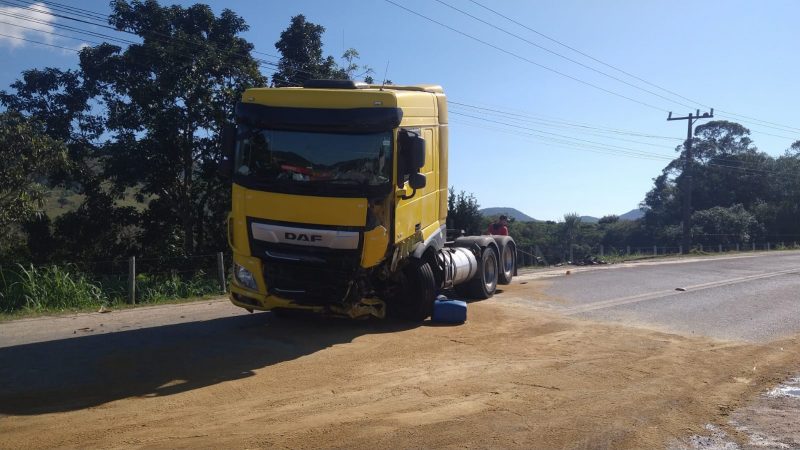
37,25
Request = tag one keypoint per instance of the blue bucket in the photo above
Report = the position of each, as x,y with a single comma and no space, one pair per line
449,311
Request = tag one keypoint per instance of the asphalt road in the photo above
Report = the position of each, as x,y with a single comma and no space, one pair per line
753,298
141,376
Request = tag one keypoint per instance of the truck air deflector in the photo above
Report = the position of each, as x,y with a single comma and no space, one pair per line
353,120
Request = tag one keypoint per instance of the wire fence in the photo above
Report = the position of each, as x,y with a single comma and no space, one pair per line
60,285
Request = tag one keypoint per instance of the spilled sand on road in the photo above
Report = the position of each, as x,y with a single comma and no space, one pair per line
513,376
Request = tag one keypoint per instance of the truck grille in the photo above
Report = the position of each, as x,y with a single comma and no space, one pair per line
308,275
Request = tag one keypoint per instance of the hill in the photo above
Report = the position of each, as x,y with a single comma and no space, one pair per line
632,214
522,217
510,212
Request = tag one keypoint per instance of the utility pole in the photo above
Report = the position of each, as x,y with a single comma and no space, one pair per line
688,161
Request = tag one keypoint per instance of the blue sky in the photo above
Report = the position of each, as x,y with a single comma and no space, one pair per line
738,56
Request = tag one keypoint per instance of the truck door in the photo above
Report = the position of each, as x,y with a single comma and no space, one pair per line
420,212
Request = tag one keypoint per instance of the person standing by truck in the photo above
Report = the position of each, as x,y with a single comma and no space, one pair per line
499,227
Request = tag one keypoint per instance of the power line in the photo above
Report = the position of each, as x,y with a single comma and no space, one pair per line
38,42
65,27
565,122
551,133
103,17
614,148
561,55
50,32
74,9
569,128
583,147
528,60
556,41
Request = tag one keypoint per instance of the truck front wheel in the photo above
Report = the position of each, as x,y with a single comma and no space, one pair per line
484,283
417,293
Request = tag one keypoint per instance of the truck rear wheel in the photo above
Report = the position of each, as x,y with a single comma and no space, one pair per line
506,263
415,302
484,283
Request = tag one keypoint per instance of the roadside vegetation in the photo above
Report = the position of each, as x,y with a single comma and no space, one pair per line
54,288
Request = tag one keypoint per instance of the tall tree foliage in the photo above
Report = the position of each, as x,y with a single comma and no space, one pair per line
166,100
463,212
739,192
29,158
302,57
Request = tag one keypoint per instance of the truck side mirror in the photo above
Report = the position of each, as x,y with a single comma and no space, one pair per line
412,150
417,181
228,140
416,152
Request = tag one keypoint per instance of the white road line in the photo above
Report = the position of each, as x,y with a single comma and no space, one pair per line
669,293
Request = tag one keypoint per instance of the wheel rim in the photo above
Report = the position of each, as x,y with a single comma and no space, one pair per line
508,260
489,271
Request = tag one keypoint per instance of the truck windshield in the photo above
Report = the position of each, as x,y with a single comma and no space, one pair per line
300,159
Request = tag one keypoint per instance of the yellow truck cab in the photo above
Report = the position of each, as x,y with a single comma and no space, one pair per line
339,203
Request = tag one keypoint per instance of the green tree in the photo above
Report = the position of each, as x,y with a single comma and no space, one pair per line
721,225
611,218
352,69
728,170
463,212
302,58
62,102
167,98
29,158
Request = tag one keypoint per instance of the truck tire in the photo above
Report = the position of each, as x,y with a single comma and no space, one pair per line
418,293
484,283
507,263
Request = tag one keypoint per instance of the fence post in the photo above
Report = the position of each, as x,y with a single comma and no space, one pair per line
132,280
737,246
602,253
754,245
720,248
221,273
655,251
628,250
767,246
680,249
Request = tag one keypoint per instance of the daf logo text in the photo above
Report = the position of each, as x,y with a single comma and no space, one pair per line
302,237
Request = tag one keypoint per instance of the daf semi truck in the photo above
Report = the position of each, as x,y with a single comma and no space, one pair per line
340,203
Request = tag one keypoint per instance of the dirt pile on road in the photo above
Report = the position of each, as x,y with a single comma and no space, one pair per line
511,377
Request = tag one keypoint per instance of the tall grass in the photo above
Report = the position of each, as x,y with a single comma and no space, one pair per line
167,287
60,288
47,288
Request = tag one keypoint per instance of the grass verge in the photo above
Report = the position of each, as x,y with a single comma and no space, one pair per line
29,291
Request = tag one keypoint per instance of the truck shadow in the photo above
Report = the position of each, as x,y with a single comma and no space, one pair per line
81,372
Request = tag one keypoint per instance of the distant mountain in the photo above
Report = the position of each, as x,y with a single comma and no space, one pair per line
510,212
522,217
632,214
